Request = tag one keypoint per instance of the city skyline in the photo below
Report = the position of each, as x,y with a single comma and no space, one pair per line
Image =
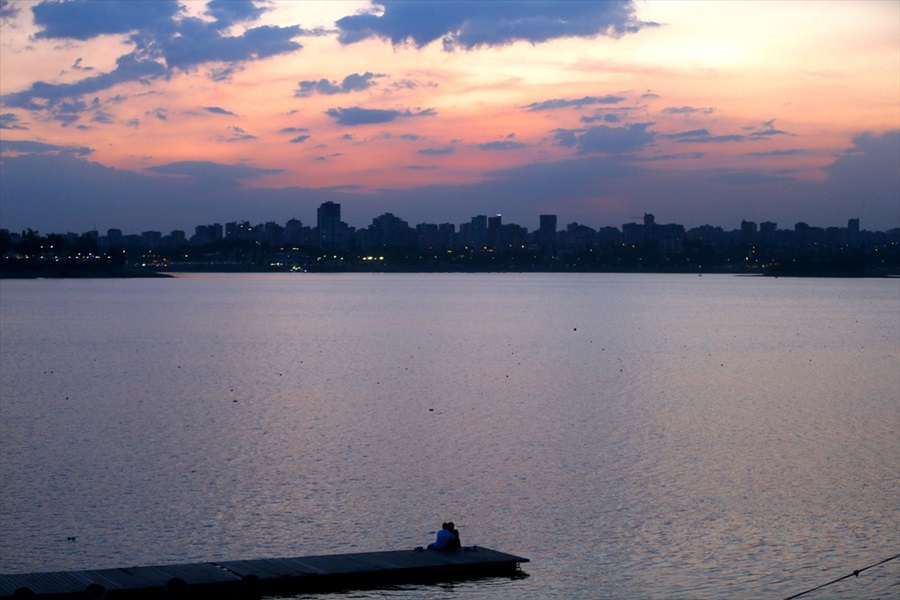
329,223
164,115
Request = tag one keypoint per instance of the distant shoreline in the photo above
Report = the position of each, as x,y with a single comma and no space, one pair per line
95,272
51,272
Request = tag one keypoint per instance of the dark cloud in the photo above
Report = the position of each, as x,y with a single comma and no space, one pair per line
8,10
229,12
70,111
218,110
472,24
566,138
501,145
77,66
10,121
605,117
217,73
795,152
102,117
576,102
293,130
83,195
386,135
351,83
615,139
769,130
868,176
239,135
688,110
300,139
211,173
693,133
43,95
200,43
356,115
751,178
436,151
716,139
85,19
32,147
404,84
676,156
863,182
163,38
703,136
604,139
421,167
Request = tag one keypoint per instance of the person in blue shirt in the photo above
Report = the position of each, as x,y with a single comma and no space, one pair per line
445,539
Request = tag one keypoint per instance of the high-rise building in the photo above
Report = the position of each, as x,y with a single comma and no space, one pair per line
853,232
479,231
748,230
546,233
493,229
328,220
548,225
649,227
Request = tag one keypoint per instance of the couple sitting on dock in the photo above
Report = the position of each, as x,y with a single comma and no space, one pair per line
447,538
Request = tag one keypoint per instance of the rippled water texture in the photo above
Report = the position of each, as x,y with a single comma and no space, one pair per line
635,436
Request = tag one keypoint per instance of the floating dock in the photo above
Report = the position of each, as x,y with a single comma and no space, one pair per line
250,579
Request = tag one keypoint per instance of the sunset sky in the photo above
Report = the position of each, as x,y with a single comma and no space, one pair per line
165,115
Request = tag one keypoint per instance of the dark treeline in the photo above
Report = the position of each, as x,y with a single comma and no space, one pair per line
484,244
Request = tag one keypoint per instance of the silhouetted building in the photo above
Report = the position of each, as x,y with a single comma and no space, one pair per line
578,237
207,234
649,227
151,239
478,231
493,230
387,231
296,234
748,230
546,233
853,232
273,233
431,237
510,236
176,238
328,220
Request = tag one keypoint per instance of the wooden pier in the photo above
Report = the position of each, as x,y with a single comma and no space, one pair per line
250,579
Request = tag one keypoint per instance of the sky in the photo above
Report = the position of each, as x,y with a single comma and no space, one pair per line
162,115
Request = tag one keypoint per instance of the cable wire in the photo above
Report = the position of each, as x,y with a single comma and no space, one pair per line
853,574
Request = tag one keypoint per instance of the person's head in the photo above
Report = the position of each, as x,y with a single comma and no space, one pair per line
451,526
445,526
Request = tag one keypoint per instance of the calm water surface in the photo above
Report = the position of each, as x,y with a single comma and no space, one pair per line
635,436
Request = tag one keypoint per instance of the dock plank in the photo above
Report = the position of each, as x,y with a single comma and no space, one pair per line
267,568
291,575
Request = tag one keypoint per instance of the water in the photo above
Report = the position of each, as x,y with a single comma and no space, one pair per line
635,436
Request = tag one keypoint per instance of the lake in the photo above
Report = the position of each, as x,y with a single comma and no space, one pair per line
634,435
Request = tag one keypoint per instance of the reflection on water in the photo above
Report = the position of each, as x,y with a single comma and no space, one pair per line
634,436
